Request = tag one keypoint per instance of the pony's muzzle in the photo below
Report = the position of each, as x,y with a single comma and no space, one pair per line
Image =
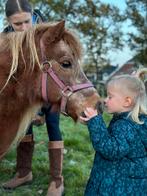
100,106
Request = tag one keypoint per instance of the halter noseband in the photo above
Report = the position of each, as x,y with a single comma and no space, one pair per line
67,91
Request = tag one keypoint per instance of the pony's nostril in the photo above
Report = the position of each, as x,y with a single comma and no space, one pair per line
83,114
100,107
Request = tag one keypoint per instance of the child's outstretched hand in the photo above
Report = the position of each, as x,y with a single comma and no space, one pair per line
89,113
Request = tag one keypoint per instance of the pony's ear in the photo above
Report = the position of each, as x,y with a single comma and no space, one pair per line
54,32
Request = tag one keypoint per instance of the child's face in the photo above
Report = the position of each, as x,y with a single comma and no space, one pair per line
21,21
116,101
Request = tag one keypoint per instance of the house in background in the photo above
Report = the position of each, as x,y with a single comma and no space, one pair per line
102,75
126,68
109,71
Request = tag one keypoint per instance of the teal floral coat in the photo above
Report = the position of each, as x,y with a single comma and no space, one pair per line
120,164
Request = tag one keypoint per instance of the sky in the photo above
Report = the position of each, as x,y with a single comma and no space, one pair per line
118,57
119,3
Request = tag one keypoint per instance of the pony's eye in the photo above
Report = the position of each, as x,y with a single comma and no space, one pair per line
66,64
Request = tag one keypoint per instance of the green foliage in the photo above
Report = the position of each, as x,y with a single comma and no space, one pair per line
136,13
98,25
101,28
78,158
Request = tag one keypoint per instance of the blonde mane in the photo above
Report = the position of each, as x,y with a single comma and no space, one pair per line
14,42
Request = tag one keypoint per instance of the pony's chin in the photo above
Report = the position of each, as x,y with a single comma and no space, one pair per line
72,115
75,118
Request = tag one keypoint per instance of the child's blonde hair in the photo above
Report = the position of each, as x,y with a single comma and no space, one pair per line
134,86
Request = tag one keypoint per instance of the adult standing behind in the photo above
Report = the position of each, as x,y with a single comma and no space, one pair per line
21,17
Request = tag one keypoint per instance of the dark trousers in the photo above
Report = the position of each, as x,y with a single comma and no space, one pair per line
52,125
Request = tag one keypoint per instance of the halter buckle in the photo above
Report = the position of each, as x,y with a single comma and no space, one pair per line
46,66
67,91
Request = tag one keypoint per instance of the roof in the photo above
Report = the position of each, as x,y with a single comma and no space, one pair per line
126,68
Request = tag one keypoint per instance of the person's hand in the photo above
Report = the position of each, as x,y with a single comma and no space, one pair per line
38,120
89,113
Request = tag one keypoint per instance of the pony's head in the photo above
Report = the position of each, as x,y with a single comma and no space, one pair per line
61,56
53,53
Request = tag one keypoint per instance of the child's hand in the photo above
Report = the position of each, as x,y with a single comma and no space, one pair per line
89,113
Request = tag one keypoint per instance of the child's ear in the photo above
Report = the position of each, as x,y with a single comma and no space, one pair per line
128,102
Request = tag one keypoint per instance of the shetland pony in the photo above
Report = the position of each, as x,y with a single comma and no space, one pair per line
37,66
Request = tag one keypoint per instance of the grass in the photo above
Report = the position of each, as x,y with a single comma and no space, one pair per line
78,158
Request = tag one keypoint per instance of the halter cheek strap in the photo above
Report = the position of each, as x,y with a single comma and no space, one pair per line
67,91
